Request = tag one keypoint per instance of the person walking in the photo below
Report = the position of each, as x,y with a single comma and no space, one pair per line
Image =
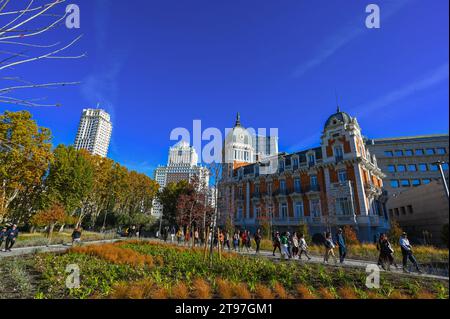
329,248
173,232
76,236
303,247
179,235
408,253
295,245
249,241
227,240
276,243
289,248
258,238
244,240
379,244
3,232
236,241
196,237
340,240
387,254
285,246
11,237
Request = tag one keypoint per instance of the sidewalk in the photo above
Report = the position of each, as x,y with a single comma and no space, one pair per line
23,251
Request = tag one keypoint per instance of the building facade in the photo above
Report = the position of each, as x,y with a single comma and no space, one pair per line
422,212
410,161
94,132
336,184
182,165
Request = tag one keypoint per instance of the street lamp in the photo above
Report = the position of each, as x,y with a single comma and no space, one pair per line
444,180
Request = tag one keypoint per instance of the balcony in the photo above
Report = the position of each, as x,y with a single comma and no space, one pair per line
281,193
313,189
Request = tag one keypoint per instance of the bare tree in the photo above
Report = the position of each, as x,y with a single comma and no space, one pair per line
21,27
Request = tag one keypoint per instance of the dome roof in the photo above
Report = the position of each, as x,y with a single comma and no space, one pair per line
239,134
338,118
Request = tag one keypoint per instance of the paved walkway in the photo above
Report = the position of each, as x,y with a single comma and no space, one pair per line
23,251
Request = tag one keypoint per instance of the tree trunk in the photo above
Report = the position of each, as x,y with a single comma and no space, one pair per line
61,229
50,233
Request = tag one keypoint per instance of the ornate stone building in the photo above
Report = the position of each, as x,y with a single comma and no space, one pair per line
336,184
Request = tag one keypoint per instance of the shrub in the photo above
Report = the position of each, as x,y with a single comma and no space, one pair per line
347,293
424,294
280,292
396,231
325,293
180,291
350,235
304,293
263,292
241,291
224,289
159,293
202,289
132,290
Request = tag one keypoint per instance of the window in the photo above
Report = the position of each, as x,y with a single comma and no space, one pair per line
412,168
338,152
343,206
416,182
283,210
342,176
401,168
434,167
313,179
445,166
299,210
282,186
239,213
423,167
388,154
409,152
297,185
403,210
397,213
315,208
257,212
391,169
430,151
398,153
312,159
395,183
391,213
426,181
405,183
410,209
270,209
441,151
295,163
256,189
420,152
269,188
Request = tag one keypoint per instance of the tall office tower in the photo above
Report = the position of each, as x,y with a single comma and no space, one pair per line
94,132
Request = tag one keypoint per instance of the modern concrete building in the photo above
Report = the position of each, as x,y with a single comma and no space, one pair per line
421,211
338,183
410,161
94,132
182,165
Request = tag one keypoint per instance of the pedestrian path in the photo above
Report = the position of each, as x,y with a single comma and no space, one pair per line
23,251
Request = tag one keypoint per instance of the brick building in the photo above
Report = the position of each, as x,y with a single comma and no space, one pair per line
338,183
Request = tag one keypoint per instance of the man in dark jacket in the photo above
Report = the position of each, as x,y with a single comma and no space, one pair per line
3,232
11,237
340,240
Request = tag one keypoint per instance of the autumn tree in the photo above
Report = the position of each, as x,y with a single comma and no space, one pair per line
50,218
25,154
350,235
395,232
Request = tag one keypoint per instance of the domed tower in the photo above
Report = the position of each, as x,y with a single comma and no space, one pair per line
238,146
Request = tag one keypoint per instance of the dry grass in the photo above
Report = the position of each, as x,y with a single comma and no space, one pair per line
347,293
160,293
325,293
280,292
424,294
240,291
179,291
374,295
303,292
263,292
224,289
115,254
135,290
398,295
202,290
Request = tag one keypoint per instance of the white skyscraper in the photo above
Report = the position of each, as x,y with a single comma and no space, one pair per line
94,132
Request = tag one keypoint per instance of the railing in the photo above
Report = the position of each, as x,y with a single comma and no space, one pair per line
313,188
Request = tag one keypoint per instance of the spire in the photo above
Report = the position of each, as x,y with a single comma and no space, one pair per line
337,102
238,120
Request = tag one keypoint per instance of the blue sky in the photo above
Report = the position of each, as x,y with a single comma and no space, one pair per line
156,65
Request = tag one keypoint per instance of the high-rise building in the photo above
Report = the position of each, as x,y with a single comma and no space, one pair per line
182,165
335,184
94,132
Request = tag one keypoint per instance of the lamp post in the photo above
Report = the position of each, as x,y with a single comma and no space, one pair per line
444,181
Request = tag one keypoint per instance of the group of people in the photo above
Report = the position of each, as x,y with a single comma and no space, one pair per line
8,235
290,246
386,258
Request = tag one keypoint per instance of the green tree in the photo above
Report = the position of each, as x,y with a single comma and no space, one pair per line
25,154
70,181
169,197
